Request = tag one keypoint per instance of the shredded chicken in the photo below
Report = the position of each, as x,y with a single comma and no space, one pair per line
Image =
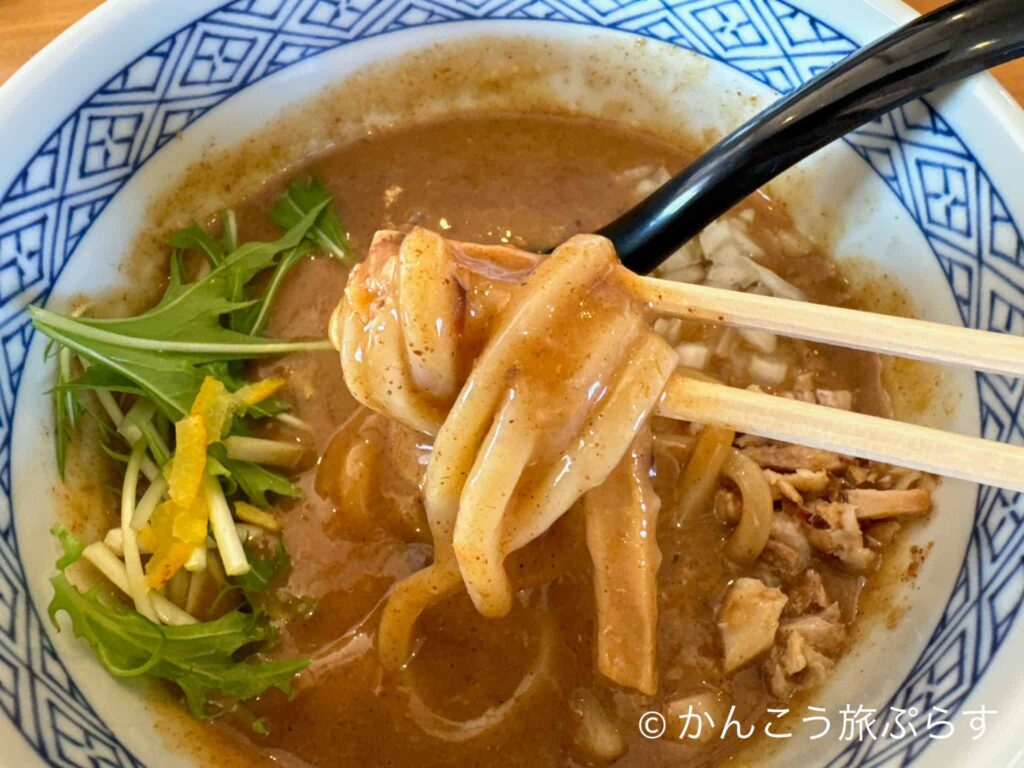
835,398
781,487
794,665
881,534
794,457
857,474
824,630
901,478
873,504
806,594
805,653
748,620
787,549
839,535
793,484
803,387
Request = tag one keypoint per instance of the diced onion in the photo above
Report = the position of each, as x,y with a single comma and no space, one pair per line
714,236
693,355
645,179
762,341
669,328
694,273
731,270
768,370
726,343
777,285
686,265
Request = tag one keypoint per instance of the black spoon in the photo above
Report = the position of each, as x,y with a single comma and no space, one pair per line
956,41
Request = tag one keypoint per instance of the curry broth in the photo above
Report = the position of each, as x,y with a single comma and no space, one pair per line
531,180
530,175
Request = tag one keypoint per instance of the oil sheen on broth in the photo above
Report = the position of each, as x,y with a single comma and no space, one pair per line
531,180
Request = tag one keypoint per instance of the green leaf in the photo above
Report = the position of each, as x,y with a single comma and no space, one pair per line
78,388
253,480
170,376
192,312
260,311
118,456
67,407
256,482
195,238
170,381
97,377
162,354
262,571
303,196
201,659
229,226
69,544
154,440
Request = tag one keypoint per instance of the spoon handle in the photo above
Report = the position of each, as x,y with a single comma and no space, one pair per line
956,41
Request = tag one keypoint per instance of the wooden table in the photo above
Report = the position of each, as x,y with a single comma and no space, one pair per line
28,25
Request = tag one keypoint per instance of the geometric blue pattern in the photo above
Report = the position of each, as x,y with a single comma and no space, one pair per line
66,185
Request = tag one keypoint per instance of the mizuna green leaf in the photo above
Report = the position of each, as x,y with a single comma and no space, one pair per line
201,659
163,353
303,196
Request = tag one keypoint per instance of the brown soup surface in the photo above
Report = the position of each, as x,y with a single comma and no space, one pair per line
531,180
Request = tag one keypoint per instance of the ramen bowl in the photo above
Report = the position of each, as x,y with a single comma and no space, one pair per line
101,123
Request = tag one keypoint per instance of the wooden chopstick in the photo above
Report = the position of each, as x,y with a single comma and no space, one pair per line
934,342
815,426
854,434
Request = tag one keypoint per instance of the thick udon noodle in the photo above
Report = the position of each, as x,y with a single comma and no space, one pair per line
536,378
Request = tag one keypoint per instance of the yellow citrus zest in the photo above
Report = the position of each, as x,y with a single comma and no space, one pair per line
189,463
172,534
166,562
180,524
258,391
214,404
247,513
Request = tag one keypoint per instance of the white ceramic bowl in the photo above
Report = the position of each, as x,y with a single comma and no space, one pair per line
933,193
